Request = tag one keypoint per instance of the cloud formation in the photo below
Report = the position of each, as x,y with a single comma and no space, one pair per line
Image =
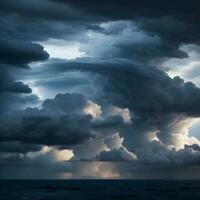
115,110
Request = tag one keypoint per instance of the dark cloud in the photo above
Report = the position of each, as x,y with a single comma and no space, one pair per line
13,94
58,123
174,22
17,147
7,84
61,122
176,26
39,9
160,13
37,29
11,101
130,8
15,52
17,87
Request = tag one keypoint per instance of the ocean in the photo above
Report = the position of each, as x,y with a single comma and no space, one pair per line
98,189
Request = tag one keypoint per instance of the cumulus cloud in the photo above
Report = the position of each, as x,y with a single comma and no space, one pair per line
121,154
113,142
156,152
62,121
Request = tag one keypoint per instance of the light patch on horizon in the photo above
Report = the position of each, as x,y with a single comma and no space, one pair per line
102,170
63,49
53,154
61,155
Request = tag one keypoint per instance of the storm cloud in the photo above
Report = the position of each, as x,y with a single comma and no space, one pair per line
102,100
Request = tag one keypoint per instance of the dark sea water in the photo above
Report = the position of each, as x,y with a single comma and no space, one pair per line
99,189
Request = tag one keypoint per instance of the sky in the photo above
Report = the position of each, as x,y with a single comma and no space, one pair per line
99,89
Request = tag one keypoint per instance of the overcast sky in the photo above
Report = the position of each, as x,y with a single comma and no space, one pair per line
99,89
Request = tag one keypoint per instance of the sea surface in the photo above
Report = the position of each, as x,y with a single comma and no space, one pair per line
98,189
